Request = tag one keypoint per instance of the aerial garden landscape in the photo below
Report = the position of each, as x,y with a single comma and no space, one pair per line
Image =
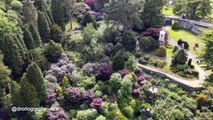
106,59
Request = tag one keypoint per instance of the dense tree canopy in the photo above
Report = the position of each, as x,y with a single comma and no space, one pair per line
193,9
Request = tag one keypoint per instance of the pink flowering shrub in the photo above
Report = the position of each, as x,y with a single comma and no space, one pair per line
56,114
96,104
104,72
90,2
140,80
51,97
154,32
75,95
123,72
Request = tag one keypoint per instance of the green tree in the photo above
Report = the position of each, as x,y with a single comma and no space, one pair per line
147,43
151,15
162,51
89,114
4,79
180,57
28,39
207,55
43,27
16,5
129,40
130,64
193,9
35,35
49,13
28,94
29,12
37,56
89,18
119,60
115,81
126,86
35,78
122,12
15,95
58,12
56,33
13,54
53,51
40,5
68,6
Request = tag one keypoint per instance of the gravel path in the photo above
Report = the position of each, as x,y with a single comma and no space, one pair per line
192,84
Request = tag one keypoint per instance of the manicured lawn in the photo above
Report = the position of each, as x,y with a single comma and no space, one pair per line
189,37
74,25
168,11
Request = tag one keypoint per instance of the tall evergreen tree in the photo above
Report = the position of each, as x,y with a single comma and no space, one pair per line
13,54
151,15
35,35
40,5
58,12
43,27
29,12
122,12
48,19
28,39
35,78
15,95
28,94
48,12
4,79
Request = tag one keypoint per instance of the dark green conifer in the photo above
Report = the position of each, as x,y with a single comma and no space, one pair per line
43,27
28,94
13,54
28,39
35,35
35,78
58,12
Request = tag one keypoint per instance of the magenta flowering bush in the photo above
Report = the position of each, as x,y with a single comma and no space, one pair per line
96,104
56,114
51,97
136,92
140,80
154,32
104,72
88,96
90,2
123,72
77,95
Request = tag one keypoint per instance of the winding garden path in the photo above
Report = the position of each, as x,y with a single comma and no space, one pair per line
194,84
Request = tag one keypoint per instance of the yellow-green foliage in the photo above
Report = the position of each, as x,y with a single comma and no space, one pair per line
161,51
201,98
58,90
128,111
117,115
65,82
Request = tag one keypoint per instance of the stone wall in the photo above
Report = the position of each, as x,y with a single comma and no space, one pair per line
166,76
184,23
